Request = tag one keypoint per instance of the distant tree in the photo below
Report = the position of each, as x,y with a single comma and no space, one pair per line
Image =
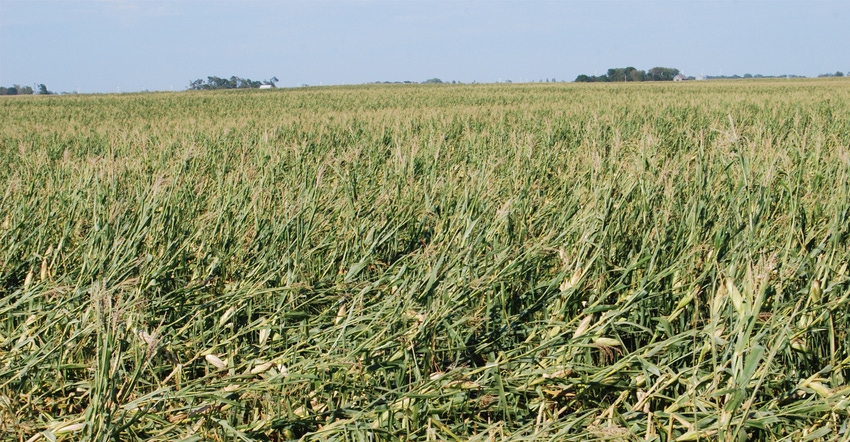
12,90
617,74
23,90
433,81
630,74
233,82
42,90
633,74
592,79
748,75
662,74
839,74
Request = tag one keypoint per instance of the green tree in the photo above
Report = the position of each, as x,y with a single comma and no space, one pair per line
662,74
42,90
633,74
617,74
21,90
233,82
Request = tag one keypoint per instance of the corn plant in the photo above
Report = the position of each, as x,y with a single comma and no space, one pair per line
428,262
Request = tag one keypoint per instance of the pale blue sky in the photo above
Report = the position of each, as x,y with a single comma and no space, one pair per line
104,45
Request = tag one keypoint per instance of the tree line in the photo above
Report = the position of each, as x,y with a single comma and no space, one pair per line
24,90
631,74
233,82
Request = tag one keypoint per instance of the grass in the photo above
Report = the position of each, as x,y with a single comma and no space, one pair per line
525,262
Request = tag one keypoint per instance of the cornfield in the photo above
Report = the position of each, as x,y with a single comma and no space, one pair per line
554,262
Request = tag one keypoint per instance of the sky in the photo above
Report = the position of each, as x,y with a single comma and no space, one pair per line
96,46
